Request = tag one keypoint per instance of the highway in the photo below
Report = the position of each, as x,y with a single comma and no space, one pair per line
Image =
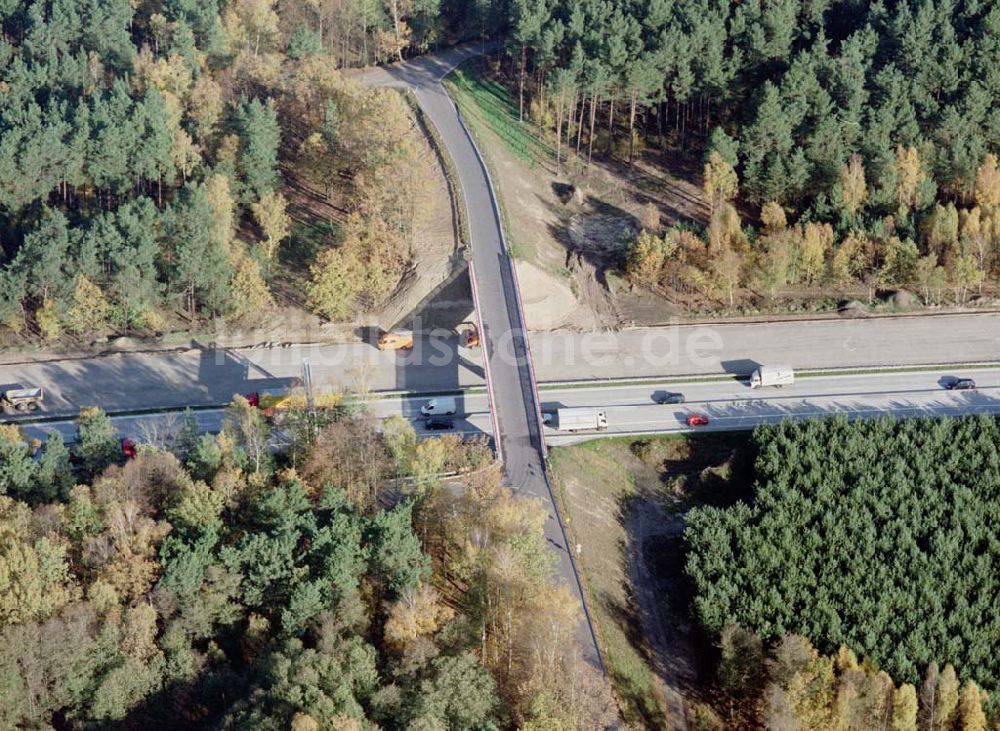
732,404
729,403
201,375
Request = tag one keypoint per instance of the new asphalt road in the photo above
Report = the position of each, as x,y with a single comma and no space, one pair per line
508,370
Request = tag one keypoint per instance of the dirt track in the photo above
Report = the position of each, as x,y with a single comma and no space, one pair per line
671,653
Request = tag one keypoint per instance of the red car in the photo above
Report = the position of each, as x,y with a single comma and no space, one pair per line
697,419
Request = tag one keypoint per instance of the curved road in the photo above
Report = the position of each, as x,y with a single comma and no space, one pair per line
508,366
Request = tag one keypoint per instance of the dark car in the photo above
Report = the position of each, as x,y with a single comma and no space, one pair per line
670,398
962,384
439,423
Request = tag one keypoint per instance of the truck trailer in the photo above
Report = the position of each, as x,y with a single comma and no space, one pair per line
781,375
20,400
581,418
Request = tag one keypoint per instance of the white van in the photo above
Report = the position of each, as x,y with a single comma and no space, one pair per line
439,407
781,375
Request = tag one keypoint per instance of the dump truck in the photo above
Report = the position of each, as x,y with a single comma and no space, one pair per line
781,375
395,341
581,418
21,400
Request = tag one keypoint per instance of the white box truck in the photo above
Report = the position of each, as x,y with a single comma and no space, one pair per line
781,375
583,418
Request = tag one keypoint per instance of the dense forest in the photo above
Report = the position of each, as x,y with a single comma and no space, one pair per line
144,150
877,535
208,583
863,131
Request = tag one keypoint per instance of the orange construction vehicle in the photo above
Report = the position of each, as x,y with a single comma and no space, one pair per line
470,335
395,341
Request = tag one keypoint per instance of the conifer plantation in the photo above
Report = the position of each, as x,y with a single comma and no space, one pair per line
877,535
857,139
145,150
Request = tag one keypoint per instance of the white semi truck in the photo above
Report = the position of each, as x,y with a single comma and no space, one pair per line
581,418
780,375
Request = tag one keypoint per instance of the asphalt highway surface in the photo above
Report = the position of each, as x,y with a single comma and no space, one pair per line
199,375
729,403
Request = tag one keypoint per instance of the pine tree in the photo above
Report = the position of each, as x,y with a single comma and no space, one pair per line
187,436
55,473
397,557
201,270
97,441
18,471
725,146
155,156
773,167
45,258
134,287
260,135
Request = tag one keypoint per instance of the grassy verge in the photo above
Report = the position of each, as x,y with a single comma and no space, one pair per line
490,114
487,103
598,484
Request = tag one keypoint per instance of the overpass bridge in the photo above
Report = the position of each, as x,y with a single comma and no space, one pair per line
499,312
